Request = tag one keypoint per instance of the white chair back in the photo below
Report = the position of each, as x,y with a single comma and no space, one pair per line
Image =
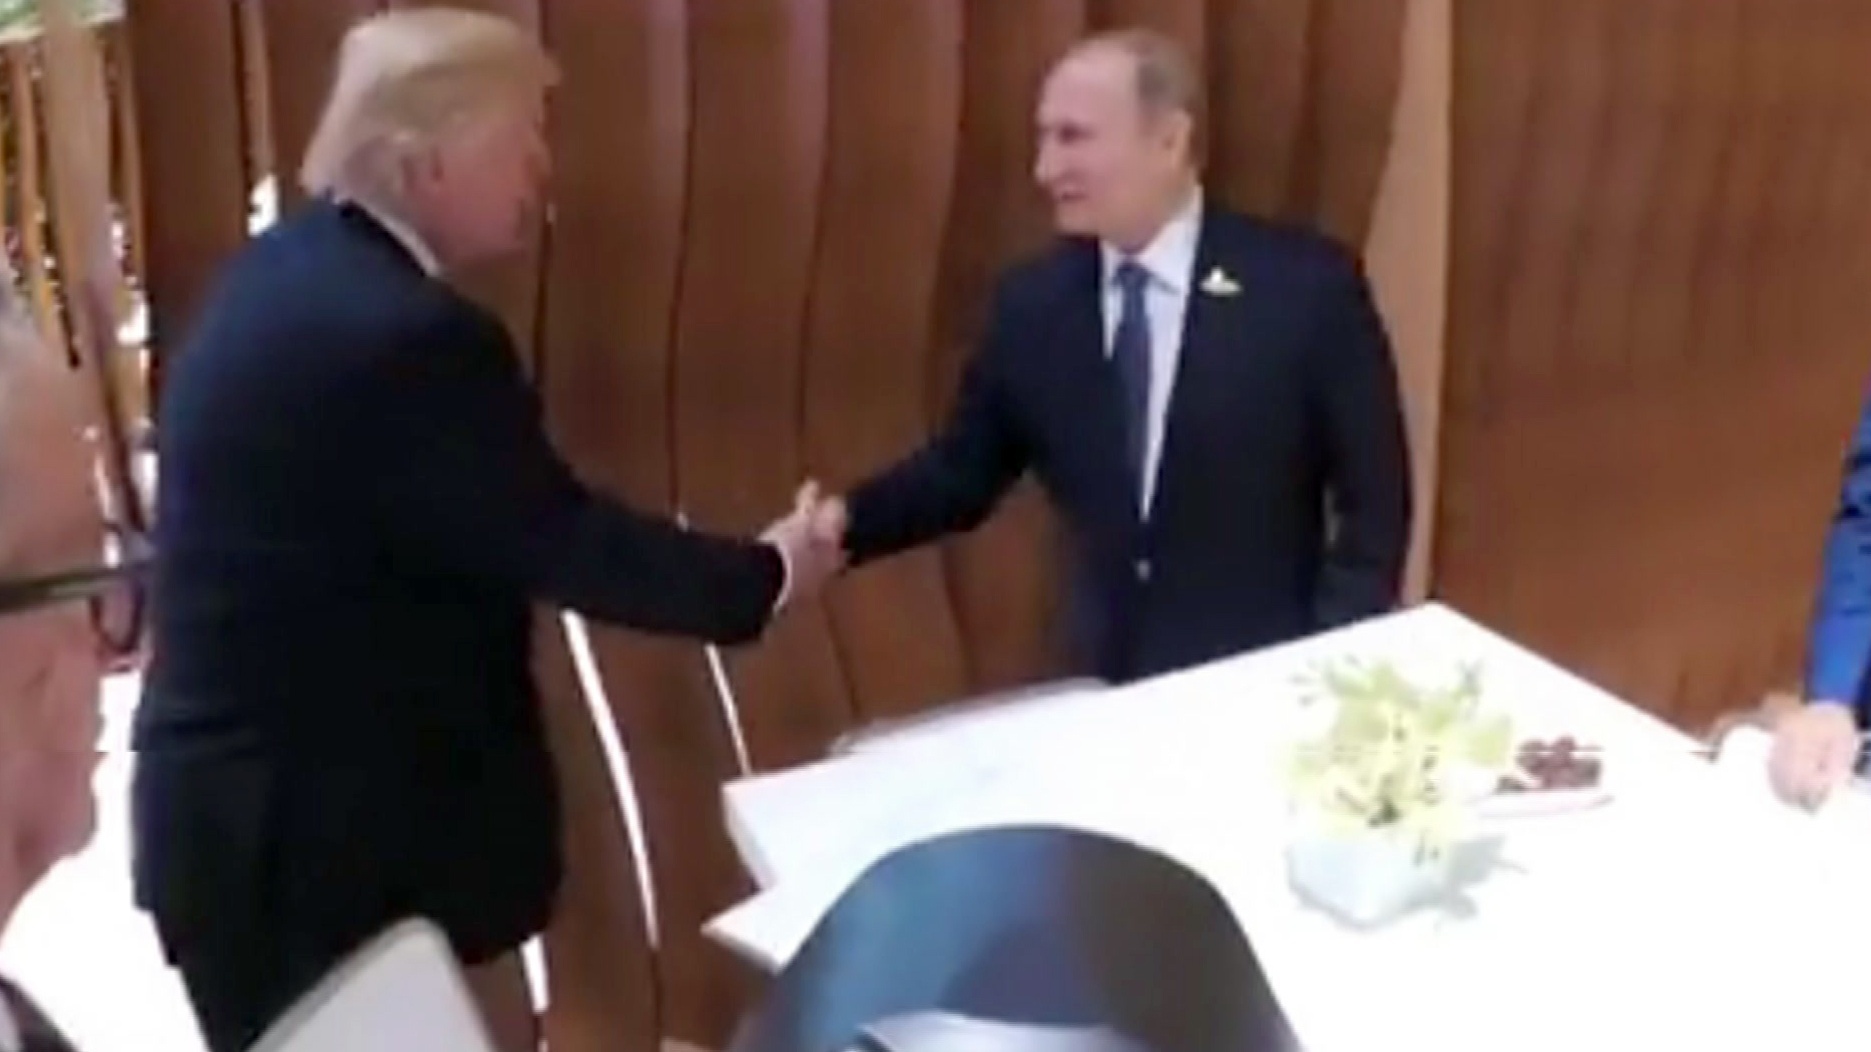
401,992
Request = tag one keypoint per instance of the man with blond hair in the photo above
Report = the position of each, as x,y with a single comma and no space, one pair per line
56,599
358,508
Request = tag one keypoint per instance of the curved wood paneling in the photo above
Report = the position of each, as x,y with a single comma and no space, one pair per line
1001,577
194,173
1257,84
301,48
895,107
599,964
758,155
620,144
1647,283
1182,20
1356,50
757,146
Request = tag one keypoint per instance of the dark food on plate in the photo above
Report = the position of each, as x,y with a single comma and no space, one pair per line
1558,764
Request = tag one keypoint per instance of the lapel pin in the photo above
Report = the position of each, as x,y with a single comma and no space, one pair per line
1218,283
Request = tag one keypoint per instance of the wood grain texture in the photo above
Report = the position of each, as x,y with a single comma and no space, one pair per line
1651,222
757,159
1184,21
619,184
895,83
300,42
1002,578
1356,54
599,964
1258,80
193,172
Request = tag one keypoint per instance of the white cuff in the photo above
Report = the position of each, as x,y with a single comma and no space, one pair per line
786,576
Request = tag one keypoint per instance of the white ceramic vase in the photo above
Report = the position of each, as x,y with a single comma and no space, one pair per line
1365,878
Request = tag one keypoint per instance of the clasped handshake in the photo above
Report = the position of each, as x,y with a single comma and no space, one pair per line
812,541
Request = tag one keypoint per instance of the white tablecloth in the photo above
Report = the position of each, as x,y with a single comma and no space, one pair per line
1693,911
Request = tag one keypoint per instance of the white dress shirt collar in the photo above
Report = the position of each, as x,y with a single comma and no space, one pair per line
1169,258
404,234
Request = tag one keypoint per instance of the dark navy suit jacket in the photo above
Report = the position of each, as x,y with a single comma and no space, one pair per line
1282,501
1840,643
358,507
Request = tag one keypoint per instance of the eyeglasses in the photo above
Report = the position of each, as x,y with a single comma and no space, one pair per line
113,593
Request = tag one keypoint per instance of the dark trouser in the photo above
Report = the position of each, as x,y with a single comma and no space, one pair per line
251,907
241,979
262,876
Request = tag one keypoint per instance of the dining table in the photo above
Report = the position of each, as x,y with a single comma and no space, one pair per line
1685,907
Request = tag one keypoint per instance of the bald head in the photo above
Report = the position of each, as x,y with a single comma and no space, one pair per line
1116,128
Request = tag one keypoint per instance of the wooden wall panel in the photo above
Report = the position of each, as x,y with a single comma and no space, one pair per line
194,173
1185,21
1406,258
1002,578
895,89
300,41
757,154
1355,54
1258,78
619,182
599,962
1651,222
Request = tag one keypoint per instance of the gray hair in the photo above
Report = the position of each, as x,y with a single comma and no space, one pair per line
1168,81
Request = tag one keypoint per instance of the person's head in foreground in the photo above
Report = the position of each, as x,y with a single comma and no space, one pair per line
437,117
51,651
1116,136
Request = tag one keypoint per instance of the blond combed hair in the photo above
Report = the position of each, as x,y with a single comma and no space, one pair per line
406,78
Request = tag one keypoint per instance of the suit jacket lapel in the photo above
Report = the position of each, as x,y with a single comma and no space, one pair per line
1207,328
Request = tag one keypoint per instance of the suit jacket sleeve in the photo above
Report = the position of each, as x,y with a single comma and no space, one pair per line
1840,645
1366,455
954,482
470,485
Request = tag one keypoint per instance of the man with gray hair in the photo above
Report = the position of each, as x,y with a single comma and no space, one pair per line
1209,399
358,507
56,595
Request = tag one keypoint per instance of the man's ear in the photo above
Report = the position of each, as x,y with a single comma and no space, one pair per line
1176,131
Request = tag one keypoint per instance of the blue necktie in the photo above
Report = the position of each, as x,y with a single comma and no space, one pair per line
1130,354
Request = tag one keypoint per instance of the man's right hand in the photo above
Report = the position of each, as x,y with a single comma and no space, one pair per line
1815,749
811,541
